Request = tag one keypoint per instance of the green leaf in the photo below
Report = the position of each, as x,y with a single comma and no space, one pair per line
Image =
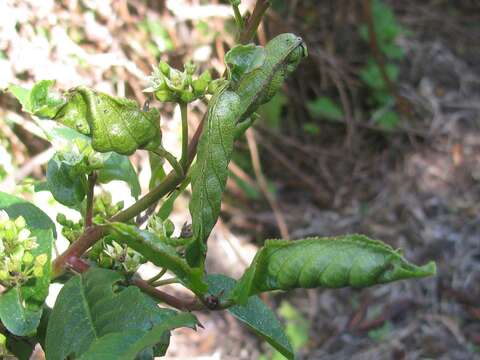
114,124
22,348
297,327
161,254
45,103
210,173
91,308
167,206
331,262
271,111
22,95
39,100
66,187
243,59
119,167
24,304
17,318
324,107
126,345
255,314
388,120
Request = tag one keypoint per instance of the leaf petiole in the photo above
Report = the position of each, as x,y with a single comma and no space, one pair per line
172,160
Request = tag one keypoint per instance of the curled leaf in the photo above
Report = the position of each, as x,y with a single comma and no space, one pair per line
114,124
211,171
331,262
243,59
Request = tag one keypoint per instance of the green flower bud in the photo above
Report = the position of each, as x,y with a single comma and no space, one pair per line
169,227
27,258
165,96
205,76
187,96
190,68
164,68
20,222
38,271
4,276
105,261
61,219
199,86
41,259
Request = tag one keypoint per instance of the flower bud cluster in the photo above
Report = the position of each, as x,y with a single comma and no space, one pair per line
162,228
109,254
17,263
103,209
171,85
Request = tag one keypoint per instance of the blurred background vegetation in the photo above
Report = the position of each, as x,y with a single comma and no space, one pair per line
377,132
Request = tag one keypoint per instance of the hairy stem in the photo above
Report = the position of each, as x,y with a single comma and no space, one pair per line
180,304
251,27
173,280
184,158
92,179
158,276
171,160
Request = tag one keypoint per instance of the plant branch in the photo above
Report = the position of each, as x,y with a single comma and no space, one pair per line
171,181
171,160
95,233
184,158
158,276
251,27
158,283
180,304
92,179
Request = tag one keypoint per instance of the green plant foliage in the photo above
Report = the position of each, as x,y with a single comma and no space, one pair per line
211,171
243,59
119,167
232,105
160,254
39,100
21,306
297,326
255,314
324,107
98,314
16,317
91,310
351,260
67,187
114,124
128,344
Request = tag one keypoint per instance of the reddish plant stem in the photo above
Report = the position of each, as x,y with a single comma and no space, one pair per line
92,179
250,29
180,304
